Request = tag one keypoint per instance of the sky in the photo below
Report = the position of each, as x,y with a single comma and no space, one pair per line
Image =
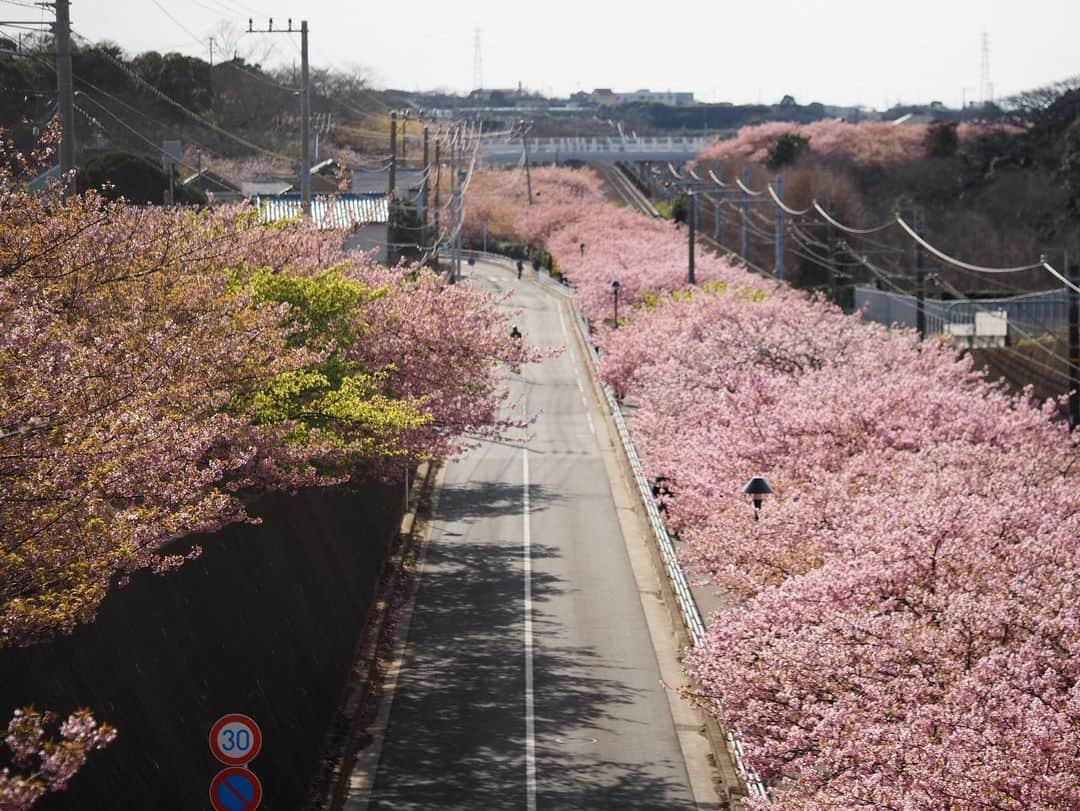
869,52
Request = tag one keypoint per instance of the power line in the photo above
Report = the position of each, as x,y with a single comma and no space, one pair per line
190,113
178,24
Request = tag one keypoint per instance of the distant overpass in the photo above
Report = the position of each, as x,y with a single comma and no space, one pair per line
674,148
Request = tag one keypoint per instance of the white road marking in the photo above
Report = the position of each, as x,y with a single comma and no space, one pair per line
566,335
530,720
592,427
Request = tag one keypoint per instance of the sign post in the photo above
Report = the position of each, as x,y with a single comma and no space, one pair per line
235,789
235,740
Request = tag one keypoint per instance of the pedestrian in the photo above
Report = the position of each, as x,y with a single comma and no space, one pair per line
520,267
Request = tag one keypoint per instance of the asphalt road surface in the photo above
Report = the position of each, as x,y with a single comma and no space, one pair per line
529,678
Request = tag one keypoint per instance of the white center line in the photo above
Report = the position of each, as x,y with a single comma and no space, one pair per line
530,721
592,427
566,335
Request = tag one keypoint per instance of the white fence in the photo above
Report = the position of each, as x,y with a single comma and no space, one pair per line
1031,315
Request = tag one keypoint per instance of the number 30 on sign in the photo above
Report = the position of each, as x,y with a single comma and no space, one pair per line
235,739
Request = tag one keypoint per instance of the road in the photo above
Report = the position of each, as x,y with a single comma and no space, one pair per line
529,678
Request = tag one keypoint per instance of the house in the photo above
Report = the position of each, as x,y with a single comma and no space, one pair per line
365,216
603,97
650,97
217,188
409,183
325,177
265,188
914,119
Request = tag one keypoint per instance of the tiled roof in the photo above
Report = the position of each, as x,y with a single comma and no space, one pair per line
338,212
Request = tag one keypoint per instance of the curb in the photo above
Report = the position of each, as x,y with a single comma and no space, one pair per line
347,734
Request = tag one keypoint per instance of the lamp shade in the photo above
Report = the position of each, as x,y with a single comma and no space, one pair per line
757,486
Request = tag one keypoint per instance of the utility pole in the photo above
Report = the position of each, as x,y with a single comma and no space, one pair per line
305,106
437,235
453,205
779,229
691,235
305,123
745,220
211,73
427,176
460,214
1072,272
920,279
65,89
392,186
525,146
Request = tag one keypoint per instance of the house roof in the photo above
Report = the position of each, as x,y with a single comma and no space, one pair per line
210,180
322,166
328,212
259,188
378,182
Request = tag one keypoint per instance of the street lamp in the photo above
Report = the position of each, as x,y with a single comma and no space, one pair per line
757,488
615,289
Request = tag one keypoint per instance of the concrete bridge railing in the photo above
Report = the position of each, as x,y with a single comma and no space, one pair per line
674,148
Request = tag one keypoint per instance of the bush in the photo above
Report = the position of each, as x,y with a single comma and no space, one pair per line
786,150
941,140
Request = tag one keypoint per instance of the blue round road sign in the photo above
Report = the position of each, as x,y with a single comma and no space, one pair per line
235,789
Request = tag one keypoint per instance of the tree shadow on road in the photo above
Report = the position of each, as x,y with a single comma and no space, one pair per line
456,736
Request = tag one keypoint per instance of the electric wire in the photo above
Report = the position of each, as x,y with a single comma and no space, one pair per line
190,113
847,228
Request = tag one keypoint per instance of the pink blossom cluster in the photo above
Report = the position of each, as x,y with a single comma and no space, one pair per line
902,626
868,143
41,764
139,371
499,199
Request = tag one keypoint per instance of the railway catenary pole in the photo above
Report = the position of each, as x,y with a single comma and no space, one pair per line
718,201
745,252
691,235
779,229
528,174
1072,271
920,279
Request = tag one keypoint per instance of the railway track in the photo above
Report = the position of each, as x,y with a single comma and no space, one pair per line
628,192
625,189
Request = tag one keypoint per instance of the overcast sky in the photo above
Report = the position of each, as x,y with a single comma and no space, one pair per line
869,52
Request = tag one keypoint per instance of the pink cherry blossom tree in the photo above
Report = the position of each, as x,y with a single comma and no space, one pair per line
900,628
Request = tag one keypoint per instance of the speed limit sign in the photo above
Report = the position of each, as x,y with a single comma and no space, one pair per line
235,739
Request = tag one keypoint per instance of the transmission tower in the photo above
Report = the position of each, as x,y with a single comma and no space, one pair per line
478,62
986,88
